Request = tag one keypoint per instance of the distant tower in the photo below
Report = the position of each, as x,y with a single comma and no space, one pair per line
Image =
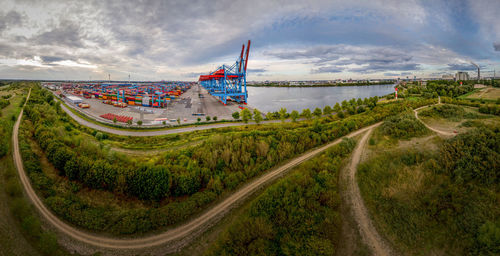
109,78
493,80
129,78
478,71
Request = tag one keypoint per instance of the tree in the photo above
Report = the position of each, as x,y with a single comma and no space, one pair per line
99,136
366,102
327,110
139,122
337,108
269,116
199,119
236,115
215,118
257,116
361,109
294,115
352,102
282,114
306,113
344,104
207,118
317,112
351,110
246,115
129,122
341,114
150,182
178,120
114,120
359,102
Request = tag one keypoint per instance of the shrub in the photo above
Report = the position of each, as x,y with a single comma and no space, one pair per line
236,115
403,125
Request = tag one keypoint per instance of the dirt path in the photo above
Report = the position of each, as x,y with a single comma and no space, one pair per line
428,127
358,209
175,238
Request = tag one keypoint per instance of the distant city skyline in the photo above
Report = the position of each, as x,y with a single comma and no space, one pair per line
291,40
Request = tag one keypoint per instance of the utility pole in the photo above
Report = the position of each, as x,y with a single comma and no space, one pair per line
109,78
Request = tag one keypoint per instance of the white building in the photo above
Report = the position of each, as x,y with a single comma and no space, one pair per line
462,76
74,100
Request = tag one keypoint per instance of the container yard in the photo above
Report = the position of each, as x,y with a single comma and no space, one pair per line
152,103
217,94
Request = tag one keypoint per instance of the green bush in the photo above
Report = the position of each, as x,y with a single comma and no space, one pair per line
297,215
420,198
403,125
446,111
4,103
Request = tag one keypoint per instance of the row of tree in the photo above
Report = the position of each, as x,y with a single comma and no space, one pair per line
351,107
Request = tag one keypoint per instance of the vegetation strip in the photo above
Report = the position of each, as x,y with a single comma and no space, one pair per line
171,235
299,213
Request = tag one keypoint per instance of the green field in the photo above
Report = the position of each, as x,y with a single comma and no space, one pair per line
488,93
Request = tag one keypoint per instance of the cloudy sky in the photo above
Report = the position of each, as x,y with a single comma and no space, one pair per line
291,40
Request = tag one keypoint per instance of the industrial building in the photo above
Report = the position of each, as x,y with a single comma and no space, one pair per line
462,76
74,100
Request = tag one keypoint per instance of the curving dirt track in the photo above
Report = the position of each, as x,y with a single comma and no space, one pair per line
359,211
428,127
175,238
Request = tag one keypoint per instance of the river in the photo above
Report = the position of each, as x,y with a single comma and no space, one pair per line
270,99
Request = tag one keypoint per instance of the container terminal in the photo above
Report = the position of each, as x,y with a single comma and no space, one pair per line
216,94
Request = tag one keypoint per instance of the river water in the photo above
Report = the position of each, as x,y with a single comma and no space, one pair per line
270,99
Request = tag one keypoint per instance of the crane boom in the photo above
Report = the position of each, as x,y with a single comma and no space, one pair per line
246,58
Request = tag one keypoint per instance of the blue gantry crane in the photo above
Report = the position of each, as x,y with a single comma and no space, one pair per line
229,81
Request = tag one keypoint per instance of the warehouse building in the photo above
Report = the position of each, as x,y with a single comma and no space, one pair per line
74,100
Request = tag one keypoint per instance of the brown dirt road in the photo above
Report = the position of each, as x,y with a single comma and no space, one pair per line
430,128
359,212
173,239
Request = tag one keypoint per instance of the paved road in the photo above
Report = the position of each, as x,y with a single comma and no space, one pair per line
177,237
158,132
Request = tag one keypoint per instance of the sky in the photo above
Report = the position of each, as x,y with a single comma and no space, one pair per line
291,40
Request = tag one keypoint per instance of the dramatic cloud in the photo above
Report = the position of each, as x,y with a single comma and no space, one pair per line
66,34
256,70
12,18
292,40
461,67
360,59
